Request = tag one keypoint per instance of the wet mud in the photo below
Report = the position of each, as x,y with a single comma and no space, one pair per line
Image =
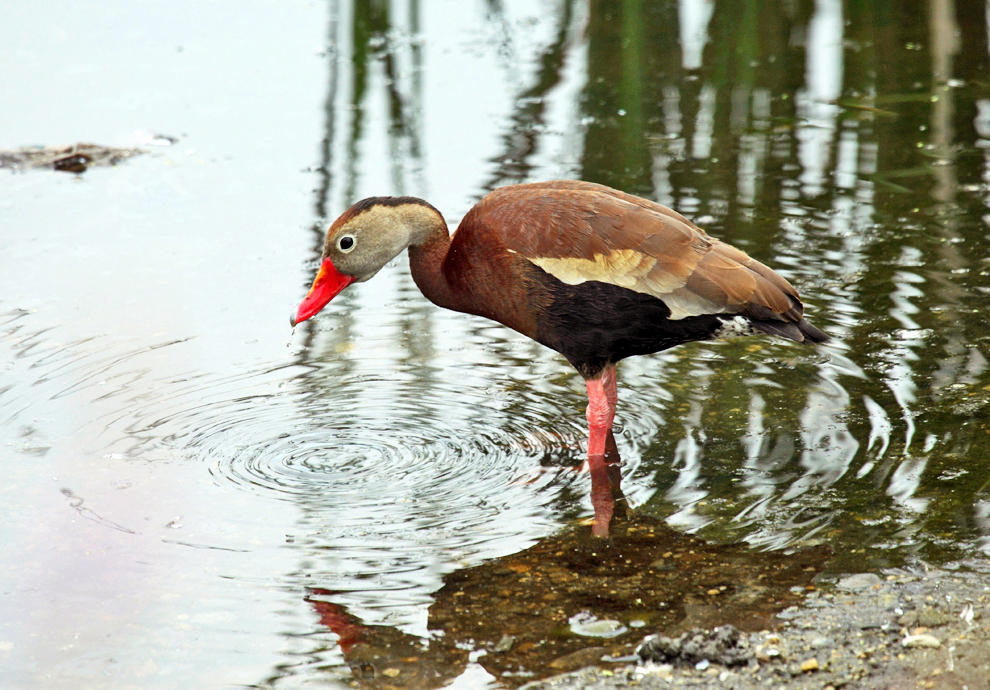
918,627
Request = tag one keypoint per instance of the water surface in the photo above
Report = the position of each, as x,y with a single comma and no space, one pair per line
184,475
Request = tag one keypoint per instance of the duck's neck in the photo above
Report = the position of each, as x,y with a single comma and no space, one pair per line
429,242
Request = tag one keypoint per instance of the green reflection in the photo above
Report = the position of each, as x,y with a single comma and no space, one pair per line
842,143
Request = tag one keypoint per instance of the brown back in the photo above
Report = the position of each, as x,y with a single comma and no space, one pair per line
580,231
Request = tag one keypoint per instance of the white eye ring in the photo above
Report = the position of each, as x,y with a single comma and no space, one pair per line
346,243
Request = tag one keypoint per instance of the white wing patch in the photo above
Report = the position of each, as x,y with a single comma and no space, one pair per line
622,267
632,270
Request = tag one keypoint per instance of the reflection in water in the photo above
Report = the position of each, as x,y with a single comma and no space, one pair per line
792,134
847,144
803,148
607,498
518,616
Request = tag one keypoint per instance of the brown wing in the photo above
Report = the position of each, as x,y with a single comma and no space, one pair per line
579,231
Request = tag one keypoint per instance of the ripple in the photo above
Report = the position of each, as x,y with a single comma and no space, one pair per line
397,471
295,430
393,456
351,446
292,444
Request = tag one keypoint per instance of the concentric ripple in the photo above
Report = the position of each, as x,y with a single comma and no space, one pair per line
352,441
397,470
274,432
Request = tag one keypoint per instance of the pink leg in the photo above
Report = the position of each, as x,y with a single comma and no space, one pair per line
602,397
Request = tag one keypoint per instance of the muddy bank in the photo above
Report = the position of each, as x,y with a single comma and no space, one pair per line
920,627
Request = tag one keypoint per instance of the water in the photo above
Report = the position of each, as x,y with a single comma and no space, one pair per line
193,492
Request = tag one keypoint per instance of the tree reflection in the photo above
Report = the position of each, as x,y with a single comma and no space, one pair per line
844,143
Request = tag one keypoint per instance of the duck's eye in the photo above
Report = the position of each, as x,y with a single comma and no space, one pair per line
345,243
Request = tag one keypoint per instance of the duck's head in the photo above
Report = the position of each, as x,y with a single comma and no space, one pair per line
361,241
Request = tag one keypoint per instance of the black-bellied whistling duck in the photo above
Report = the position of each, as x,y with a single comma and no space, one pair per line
591,272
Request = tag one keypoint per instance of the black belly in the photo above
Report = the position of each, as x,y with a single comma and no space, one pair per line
594,324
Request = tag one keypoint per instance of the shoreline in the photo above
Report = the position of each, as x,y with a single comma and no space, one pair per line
915,627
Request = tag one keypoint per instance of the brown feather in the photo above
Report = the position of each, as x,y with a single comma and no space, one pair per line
580,231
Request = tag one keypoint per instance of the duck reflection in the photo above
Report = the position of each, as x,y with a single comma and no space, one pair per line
574,599
606,491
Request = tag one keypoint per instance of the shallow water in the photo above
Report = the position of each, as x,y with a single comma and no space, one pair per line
183,471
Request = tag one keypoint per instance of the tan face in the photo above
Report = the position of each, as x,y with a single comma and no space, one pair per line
366,237
361,245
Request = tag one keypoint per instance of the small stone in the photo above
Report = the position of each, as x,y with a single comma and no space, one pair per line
858,582
505,644
809,665
391,672
922,640
766,653
821,643
931,617
789,613
908,620
587,625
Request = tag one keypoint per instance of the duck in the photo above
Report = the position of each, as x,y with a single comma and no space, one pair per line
591,272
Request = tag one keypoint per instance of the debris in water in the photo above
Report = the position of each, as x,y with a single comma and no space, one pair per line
75,159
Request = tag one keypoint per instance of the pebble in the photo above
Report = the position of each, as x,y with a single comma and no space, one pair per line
858,582
928,616
871,627
505,644
921,640
789,613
